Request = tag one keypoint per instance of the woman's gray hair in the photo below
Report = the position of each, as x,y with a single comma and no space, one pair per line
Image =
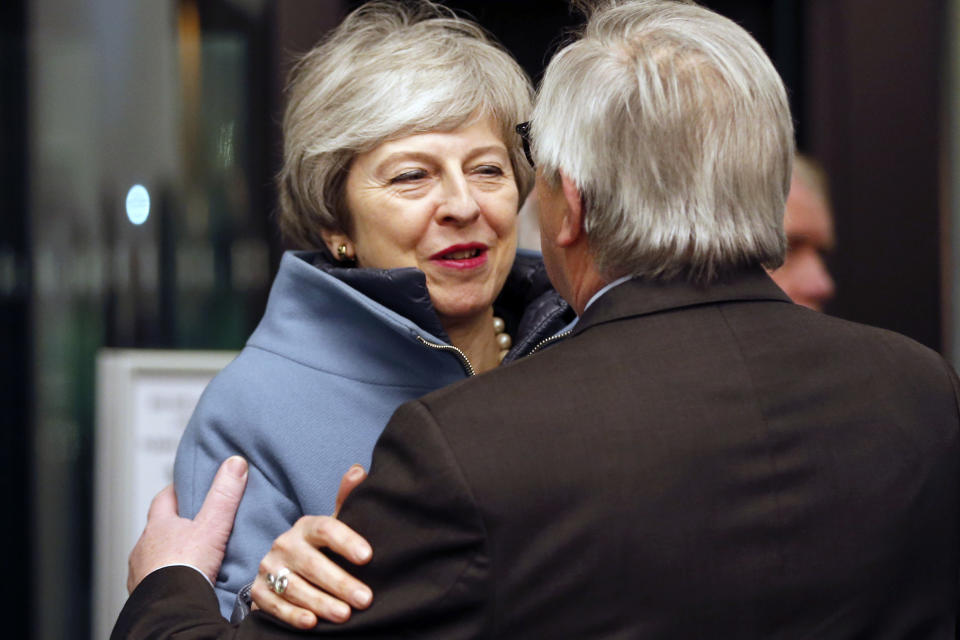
391,69
675,126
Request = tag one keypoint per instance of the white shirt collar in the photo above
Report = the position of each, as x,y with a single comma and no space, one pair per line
606,288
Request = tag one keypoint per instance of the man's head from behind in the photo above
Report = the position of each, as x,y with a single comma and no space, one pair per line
809,226
674,127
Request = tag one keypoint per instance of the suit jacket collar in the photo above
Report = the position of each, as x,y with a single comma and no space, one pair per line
639,297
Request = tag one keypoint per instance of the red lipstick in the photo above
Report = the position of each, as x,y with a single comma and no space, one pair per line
462,256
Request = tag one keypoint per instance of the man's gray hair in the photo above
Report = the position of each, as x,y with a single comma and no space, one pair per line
675,126
390,70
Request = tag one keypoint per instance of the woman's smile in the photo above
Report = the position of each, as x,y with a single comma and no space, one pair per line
462,256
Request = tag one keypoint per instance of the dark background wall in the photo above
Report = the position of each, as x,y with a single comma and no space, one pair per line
872,109
15,372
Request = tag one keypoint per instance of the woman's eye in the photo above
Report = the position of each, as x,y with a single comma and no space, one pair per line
489,170
409,176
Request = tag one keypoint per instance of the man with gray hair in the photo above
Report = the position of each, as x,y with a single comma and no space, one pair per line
700,457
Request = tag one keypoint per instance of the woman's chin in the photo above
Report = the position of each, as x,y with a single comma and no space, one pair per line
462,312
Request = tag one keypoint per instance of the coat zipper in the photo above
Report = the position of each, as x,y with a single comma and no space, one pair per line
446,347
546,341
466,362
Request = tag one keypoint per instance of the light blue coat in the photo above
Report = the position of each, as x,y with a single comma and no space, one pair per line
315,385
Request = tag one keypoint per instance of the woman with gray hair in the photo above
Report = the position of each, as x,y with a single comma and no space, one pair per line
401,181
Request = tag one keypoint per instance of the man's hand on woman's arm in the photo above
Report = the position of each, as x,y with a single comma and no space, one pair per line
315,587
169,539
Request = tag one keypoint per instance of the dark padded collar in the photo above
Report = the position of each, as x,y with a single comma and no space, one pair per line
403,291
528,304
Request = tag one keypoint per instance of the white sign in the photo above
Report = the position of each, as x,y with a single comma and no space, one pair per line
144,400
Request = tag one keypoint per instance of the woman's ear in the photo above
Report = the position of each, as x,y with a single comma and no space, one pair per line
339,245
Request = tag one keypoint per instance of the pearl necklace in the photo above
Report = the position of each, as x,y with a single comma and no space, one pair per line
503,338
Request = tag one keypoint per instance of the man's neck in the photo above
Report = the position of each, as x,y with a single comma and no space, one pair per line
584,282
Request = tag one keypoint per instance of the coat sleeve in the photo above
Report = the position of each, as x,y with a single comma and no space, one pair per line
173,602
430,567
956,394
220,427
176,603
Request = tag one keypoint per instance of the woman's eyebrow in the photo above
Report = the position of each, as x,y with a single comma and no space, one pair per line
399,156
426,156
498,148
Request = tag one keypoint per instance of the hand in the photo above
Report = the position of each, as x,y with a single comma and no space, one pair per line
316,588
201,542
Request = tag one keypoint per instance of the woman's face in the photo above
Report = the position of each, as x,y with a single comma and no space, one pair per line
445,203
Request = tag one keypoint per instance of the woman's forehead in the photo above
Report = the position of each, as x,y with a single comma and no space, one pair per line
480,135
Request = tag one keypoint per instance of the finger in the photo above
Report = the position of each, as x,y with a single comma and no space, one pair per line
164,504
303,596
265,599
351,479
321,577
220,506
325,531
297,553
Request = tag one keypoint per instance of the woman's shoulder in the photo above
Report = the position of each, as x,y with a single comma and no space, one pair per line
256,388
277,415
268,401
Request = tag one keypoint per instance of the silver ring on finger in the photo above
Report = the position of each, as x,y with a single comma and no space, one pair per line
278,583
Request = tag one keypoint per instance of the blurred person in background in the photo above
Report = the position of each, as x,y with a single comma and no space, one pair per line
808,223
401,181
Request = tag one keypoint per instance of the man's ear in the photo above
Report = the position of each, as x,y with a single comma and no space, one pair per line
571,227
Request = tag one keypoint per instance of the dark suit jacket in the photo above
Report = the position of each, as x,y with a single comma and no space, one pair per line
689,464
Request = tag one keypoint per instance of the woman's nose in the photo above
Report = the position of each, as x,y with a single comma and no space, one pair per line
459,205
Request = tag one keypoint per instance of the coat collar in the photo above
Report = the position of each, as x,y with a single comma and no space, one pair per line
638,297
528,303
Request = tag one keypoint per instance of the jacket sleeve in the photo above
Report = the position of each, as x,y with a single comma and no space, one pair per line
430,568
176,603
222,427
956,395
